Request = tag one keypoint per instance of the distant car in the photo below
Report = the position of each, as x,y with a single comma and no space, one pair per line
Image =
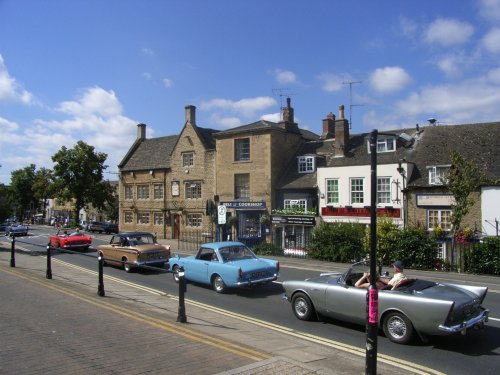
225,265
3,226
414,306
133,249
14,230
110,228
96,226
73,241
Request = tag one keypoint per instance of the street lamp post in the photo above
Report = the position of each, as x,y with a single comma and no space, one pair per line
372,293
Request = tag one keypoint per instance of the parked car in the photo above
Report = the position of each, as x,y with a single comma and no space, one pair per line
133,249
96,226
414,306
110,228
225,265
73,241
18,229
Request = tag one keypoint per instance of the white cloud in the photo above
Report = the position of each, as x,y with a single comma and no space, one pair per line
147,76
491,41
225,122
331,82
451,65
167,82
448,32
408,27
10,90
389,79
247,107
490,9
6,127
494,76
93,101
273,117
284,76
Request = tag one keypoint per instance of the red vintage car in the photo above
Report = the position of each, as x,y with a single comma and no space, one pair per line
73,241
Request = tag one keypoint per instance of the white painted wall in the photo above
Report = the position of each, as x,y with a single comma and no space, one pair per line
490,209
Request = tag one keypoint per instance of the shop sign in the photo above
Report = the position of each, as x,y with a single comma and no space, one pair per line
298,220
435,200
244,205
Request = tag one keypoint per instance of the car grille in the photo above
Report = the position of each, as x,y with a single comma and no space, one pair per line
152,255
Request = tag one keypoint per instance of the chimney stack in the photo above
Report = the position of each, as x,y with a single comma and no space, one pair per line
141,131
288,118
191,114
328,127
341,134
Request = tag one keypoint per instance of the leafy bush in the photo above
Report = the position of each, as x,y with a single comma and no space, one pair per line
265,248
415,248
483,257
337,242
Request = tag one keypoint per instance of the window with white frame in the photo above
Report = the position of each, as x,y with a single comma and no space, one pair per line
142,191
158,191
439,218
193,190
194,220
332,191
306,164
299,204
142,217
242,186
188,159
158,218
128,217
357,191
242,149
438,174
441,250
383,190
384,144
129,192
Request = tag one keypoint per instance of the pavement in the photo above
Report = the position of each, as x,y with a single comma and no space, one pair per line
62,326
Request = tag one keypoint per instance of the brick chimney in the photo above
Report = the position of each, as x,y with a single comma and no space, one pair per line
288,120
341,134
141,131
328,127
191,114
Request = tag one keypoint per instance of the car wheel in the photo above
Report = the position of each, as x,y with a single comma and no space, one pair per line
302,306
126,266
398,328
175,273
218,284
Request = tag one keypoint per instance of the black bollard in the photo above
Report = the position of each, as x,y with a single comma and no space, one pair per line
100,288
13,252
48,275
181,316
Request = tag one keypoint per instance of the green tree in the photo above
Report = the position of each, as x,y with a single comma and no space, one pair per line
387,232
43,186
464,178
78,177
21,183
5,202
337,242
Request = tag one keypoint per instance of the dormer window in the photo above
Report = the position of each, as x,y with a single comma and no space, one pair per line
306,164
384,144
438,174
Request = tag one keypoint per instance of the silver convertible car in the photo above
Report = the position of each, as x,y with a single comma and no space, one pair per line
414,306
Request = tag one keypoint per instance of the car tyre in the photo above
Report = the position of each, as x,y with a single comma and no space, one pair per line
126,266
218,284
175,273
398,328
302,306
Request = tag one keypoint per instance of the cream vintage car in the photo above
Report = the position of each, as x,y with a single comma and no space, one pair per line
134,249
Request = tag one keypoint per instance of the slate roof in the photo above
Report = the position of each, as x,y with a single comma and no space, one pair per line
265,125
149,153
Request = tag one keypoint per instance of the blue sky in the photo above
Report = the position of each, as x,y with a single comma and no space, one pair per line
92,70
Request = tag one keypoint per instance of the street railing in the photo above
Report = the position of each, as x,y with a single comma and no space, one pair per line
181,316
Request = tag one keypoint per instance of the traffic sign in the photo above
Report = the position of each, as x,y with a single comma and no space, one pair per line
221,214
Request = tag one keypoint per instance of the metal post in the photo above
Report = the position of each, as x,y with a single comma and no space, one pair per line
372,293
100,288
48,274
13,252
181,316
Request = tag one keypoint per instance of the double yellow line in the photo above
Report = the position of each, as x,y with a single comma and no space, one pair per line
174,328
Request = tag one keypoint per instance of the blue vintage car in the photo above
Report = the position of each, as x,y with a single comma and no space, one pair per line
16,230
225,265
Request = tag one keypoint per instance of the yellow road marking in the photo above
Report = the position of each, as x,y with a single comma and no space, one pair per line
161,324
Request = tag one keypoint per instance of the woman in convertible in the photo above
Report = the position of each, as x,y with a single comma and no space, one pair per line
364,281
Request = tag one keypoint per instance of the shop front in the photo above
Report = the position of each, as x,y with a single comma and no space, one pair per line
249,228
292,233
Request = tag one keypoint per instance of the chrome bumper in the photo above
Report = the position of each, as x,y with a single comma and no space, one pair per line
256,281
150,262
462,327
